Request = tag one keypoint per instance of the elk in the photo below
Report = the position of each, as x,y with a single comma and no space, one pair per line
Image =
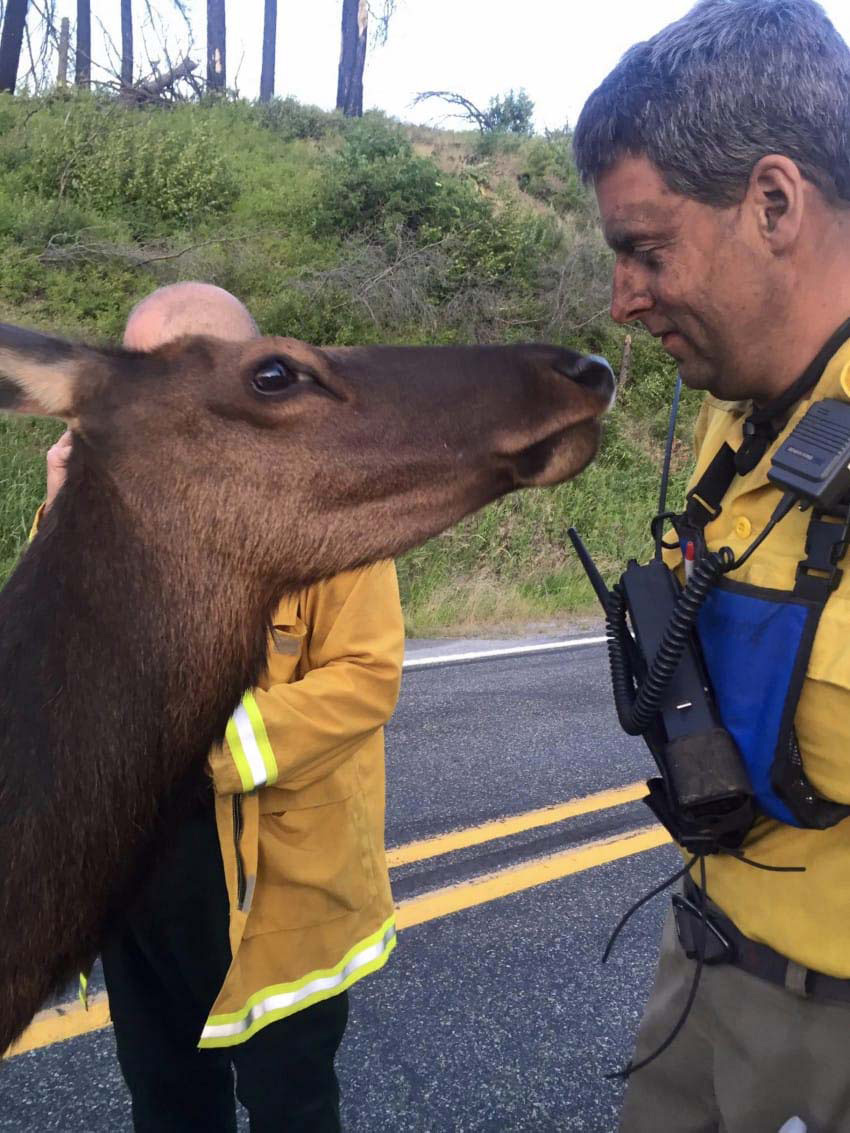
208,478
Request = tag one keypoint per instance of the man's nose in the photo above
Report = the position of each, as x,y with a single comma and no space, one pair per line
630,297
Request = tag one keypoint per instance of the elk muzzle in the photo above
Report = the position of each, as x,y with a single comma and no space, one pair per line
593,372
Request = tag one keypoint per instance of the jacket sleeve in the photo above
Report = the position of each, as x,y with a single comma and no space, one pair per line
294,734
36,523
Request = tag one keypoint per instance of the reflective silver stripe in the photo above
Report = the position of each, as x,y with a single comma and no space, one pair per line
248,898
250,746
286,999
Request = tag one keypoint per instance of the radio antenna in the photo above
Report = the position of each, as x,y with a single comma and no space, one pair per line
668,450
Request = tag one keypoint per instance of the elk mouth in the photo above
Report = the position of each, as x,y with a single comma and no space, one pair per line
558,457
565,452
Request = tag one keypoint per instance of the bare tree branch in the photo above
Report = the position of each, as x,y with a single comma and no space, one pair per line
112,52
381,16
469,111
32,70
77,247
39,60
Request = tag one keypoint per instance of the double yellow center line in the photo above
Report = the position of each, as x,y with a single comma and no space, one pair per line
514,879
70,1020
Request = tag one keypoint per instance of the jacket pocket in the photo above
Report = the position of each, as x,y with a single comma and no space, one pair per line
313,867
286,648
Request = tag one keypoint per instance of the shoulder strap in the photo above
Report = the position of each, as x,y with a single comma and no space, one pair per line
704,499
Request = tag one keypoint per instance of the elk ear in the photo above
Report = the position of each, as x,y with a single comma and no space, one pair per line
43,375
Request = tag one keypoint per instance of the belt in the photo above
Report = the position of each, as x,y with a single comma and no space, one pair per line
726,944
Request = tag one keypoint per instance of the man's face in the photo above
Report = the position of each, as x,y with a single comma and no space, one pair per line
697,277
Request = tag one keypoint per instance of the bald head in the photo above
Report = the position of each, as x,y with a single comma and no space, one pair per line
187,308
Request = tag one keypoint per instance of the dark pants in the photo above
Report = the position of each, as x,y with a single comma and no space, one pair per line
164,964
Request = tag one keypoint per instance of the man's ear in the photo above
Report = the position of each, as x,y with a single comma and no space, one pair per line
777,193
44,375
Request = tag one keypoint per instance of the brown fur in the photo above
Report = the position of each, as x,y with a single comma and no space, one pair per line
139,614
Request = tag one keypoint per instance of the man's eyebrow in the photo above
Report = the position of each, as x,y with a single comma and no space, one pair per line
626,237
621,239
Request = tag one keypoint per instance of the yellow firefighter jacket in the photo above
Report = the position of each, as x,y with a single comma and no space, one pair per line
299,784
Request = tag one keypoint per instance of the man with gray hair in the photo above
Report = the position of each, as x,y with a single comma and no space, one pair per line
719,151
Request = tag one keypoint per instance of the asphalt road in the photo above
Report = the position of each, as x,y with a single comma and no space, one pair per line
499,1016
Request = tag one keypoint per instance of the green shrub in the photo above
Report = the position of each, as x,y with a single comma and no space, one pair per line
511,113
289,119
549,173
504,249
124,161
491,142
377,183
328,317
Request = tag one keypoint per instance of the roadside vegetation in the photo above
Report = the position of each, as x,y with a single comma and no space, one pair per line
341,231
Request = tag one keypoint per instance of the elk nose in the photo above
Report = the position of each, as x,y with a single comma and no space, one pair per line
594,373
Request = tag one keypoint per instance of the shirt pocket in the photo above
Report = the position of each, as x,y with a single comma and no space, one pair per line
313,867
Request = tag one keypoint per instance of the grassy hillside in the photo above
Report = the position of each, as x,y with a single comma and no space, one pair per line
338,232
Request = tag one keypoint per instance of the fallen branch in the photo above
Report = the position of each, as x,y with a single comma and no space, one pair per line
65,247
153,89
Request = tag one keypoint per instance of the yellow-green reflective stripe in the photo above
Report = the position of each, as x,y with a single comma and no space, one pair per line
231,734
249,744
83,990
261,737
285,999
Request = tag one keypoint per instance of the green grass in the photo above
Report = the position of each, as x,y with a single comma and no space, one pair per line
23,444
339,232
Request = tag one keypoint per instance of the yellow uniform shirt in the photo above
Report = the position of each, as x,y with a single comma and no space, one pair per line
804,916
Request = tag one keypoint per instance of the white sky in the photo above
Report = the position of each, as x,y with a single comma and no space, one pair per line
559,50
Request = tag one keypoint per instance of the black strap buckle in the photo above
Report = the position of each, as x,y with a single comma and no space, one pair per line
690,928
827,539
704,499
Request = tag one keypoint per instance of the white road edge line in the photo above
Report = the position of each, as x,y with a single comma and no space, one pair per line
514,651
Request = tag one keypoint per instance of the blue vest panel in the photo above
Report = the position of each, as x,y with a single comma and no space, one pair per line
751,645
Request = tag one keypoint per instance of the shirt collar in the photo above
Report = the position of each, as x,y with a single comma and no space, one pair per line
834,381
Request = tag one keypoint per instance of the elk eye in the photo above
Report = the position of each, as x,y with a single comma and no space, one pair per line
275,377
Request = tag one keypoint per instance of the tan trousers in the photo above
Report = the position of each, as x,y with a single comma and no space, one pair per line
751,1055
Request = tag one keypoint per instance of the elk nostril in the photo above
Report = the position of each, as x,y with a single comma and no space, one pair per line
594,373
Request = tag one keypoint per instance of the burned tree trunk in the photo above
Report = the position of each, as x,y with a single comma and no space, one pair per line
216,45
82,71
64,43
10,43
352,58
126,43
269,50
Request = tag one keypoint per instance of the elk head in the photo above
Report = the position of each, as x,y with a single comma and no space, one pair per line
295,461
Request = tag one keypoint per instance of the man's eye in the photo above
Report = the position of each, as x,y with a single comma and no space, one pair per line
648,257
275,377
